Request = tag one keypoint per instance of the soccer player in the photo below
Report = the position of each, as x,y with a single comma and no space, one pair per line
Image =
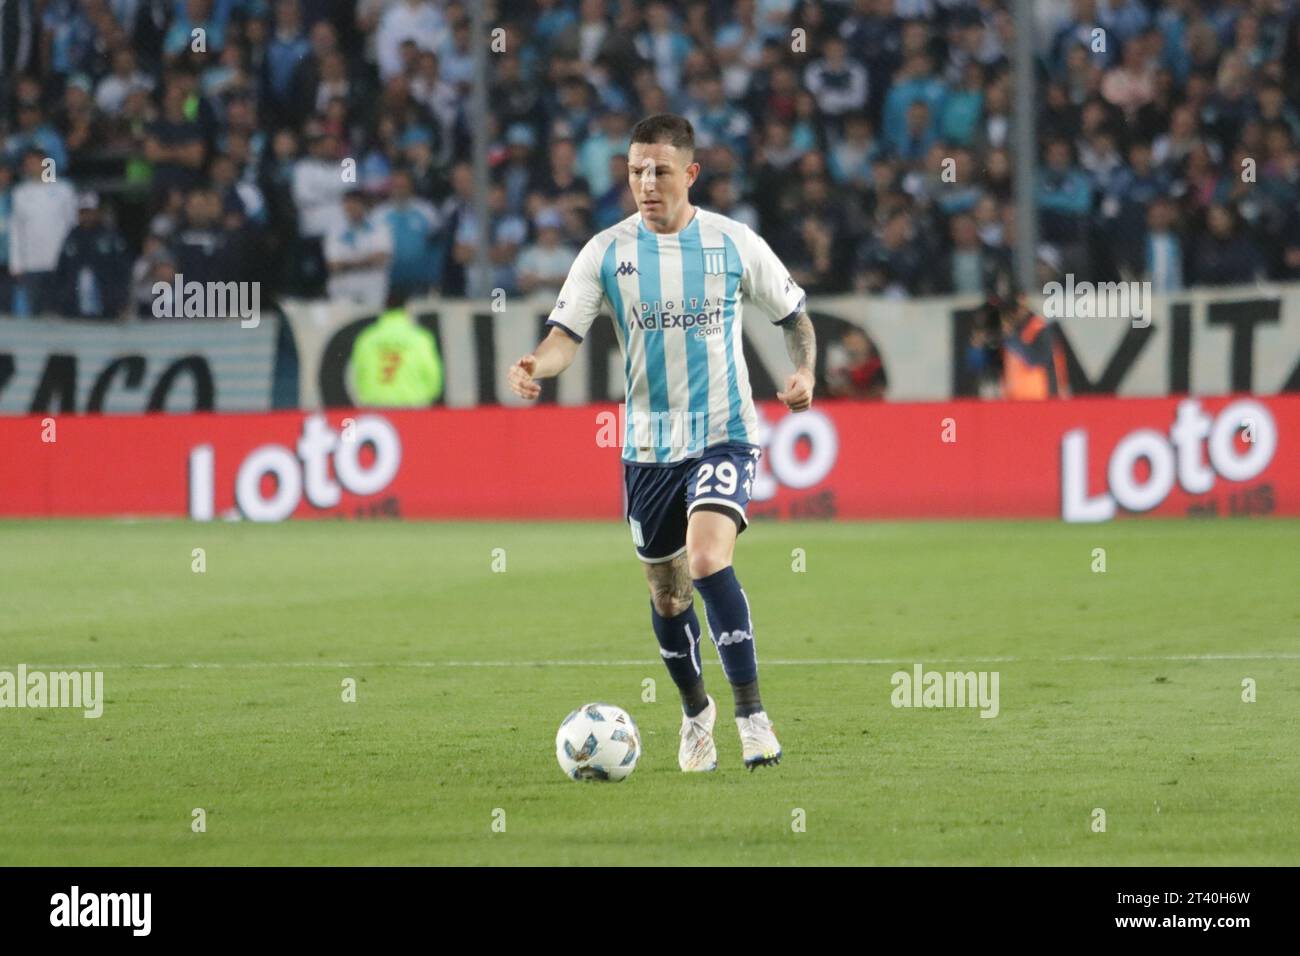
675,279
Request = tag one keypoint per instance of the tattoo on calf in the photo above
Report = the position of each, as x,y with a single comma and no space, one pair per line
671,584
683,586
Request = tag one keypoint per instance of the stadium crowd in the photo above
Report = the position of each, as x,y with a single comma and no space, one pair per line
868,140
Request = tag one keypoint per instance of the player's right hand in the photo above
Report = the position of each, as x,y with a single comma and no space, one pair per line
520,378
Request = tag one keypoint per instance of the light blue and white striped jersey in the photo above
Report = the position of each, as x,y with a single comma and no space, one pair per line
676,301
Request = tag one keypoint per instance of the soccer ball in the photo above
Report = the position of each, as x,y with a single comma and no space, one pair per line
598,742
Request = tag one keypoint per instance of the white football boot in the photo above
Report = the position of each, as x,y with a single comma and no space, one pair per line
698,752
758,740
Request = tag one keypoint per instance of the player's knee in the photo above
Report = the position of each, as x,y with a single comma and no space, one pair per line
708,560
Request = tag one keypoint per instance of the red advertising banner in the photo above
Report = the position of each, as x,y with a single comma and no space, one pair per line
1087,459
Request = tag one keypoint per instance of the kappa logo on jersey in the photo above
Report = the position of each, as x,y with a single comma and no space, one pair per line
626,269
715,261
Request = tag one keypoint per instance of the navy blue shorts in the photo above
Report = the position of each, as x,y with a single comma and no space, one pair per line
660,498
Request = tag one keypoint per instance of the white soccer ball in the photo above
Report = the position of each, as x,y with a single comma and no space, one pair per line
598,742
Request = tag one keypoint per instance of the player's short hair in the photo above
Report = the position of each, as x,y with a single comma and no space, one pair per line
665,128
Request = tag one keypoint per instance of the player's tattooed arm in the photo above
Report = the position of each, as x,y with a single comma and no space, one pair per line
801,343
801,346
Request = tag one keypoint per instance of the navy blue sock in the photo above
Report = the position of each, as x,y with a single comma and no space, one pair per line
679,646
733,633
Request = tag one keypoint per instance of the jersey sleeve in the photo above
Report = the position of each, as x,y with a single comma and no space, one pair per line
766,281
580,297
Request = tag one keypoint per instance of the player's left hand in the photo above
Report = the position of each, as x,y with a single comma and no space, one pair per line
798,394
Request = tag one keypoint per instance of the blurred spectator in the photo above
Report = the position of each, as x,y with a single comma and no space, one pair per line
721,194
611,205
458,213
19,40
854,369
1163,260
1033,357
914,84
739,47
441,100
1065,203
94,269
837,81
66,35
852,153
174,143
1131,84
507,233
584,39
917,136
322,77
458,58
816,251
192,16
511,97
962,108
1129,192
809,133
34,132
413,223
664,45
970,266
237,195
419,21
610,138
154,265
892,263
317,189
1224,254
561,179
203,248
287,47
395,362
544,264
126,78
1172,147
417,154
43,213
357,254
553,19
717,121
6,224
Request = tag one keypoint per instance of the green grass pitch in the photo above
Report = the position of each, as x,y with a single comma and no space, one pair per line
1119,690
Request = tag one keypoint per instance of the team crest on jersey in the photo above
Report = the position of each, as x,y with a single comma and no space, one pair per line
715,261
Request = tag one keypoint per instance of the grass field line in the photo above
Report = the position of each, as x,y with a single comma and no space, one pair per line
926,659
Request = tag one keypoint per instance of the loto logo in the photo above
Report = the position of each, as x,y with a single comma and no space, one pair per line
305,469
782,464
1180,456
